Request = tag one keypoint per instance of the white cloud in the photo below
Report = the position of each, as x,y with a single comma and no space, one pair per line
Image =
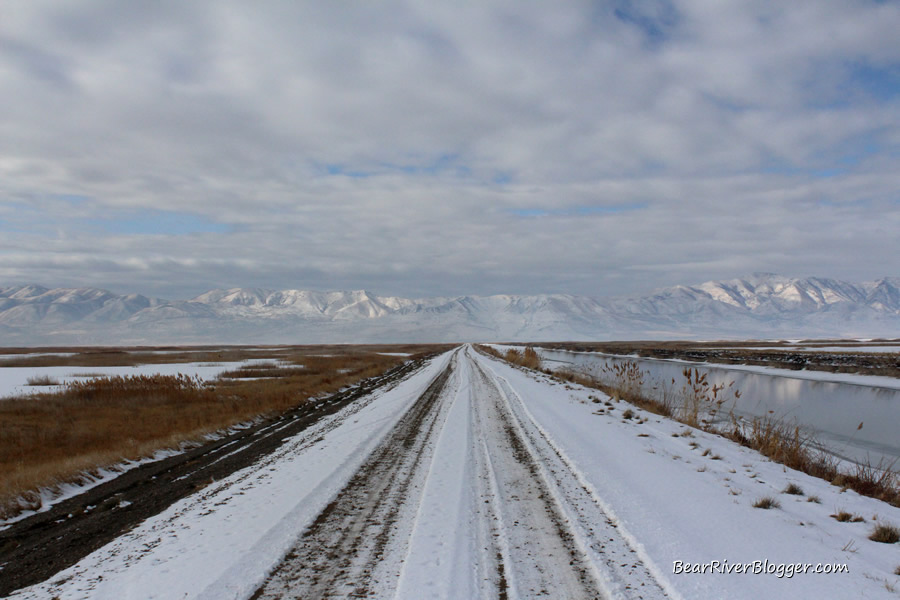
389,145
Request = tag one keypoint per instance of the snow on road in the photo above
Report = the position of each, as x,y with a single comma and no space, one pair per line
474,479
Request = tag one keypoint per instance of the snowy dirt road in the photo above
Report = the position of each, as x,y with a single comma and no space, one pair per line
463,498
469,478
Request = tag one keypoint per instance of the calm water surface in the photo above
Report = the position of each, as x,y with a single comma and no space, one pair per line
830,410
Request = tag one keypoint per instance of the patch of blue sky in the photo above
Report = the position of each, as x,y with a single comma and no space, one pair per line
74,199
654,18
579,211
442,164
728,104
22,218
502,179
785,168
155,222
832,162
854,203
879,82
860,82
344,171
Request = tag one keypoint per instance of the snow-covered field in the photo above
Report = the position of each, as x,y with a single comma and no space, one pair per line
513,485
14,380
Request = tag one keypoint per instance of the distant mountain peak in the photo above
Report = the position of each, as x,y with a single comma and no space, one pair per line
757,306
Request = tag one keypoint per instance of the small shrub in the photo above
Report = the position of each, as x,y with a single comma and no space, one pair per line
793,489
844,517
885,533
699,397
767,502
42,380
628,414
528,359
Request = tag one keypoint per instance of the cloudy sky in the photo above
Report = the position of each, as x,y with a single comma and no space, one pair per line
444,148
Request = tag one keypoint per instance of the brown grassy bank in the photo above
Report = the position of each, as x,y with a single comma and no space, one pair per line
50,438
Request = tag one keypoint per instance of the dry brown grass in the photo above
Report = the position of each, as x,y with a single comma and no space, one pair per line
626,385
767,502
788,445
527,358
885,533
793,489
42,380
49,438
783,443
842,516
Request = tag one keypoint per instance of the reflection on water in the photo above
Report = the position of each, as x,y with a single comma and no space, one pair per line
832,411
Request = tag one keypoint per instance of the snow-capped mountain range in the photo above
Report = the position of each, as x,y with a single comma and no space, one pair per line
760,306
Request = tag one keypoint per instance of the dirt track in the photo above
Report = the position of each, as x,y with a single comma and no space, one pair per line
34,549
340,550
532,529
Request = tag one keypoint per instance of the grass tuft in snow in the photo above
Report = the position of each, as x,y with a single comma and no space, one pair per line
845,517
767,502
793,489
885,533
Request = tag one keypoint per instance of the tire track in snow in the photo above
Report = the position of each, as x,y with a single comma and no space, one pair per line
539,554
530,527
618,559
339,554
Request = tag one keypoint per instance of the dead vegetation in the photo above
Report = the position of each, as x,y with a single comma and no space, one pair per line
42,380
527,358
842,516
793,489
51,438
767,502
885,533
